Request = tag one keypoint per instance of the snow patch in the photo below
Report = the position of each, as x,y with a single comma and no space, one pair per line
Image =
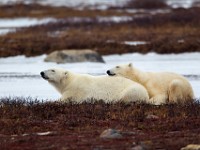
134,43
97,4
9,25
20,76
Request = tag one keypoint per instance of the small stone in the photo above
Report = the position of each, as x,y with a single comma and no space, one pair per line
45,133
110,134
138,147
146,145
191,147
154,117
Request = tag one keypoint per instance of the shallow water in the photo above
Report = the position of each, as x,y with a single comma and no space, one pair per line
19,76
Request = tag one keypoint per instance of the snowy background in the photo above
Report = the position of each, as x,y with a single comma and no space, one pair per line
10,24
20,76
102,4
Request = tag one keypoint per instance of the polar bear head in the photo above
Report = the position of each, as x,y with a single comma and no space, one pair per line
53,75
126,70
56,76
121,70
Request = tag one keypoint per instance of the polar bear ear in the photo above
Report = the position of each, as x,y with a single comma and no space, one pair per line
130,65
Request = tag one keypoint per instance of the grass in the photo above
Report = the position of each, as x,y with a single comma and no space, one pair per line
20,116
147,4
78,126
40,11
92,114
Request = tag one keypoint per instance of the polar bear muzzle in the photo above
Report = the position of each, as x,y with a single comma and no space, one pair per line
44,76
110,73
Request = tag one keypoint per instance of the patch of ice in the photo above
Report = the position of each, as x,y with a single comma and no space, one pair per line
153,12
100,4
23,22
4,31
180,3
115,19
134,43
9,25
44,133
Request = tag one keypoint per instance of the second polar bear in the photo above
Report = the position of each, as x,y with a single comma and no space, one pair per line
80,87
162,86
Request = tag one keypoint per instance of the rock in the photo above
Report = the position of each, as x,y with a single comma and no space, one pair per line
110,134
71,56
46,133
144,145
147,145
191,147
138,147
153,117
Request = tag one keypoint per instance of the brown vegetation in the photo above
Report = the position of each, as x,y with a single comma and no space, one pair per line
39,11
174,32
147,4
79,125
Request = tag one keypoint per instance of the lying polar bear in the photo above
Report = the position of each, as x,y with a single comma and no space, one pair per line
80,87
162,86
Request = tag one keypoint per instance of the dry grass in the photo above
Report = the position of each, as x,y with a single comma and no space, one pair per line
21,115
174,32
147,4
79,125
39,11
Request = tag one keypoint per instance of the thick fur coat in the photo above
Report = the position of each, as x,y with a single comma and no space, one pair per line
162,87
80,87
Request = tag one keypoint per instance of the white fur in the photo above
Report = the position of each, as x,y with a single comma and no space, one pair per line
80,87
162,86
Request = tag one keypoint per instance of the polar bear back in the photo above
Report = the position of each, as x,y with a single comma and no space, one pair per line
162,80
162,87
105,88
81,87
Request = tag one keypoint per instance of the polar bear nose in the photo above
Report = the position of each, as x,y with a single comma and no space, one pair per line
42,74
108,72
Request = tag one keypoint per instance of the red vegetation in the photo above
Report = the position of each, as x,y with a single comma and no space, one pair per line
174,32
80,125
147,4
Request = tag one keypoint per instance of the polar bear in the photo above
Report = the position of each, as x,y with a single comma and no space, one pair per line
80,87
162,87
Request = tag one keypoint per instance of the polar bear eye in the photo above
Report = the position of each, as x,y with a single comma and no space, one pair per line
117,67
52,70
